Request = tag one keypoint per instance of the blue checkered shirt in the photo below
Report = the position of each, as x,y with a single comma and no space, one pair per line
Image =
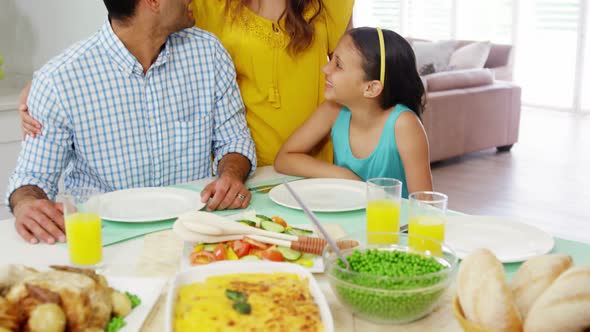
107,125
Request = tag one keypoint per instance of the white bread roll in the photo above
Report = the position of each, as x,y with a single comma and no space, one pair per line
564,306
535,276
484,294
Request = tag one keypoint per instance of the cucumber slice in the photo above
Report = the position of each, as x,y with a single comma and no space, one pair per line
299,232
250,258
272,226
289,254
247,222
263,217
209,246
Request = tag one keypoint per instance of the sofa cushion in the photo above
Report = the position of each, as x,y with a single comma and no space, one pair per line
433,55
459,79
473,55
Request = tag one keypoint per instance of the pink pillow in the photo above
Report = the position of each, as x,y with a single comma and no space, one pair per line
459,79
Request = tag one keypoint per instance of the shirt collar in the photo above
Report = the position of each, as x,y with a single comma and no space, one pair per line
121,55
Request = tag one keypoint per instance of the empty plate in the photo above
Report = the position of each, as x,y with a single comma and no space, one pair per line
323,195
148,204
510,240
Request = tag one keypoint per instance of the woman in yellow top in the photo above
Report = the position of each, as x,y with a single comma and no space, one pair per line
278,48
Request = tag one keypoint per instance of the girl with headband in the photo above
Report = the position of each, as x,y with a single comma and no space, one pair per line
374,98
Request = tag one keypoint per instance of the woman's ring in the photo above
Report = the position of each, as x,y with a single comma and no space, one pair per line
241,197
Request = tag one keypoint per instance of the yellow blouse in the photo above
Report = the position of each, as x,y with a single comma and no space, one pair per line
280,91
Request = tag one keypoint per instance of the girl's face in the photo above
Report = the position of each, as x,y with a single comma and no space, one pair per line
345,77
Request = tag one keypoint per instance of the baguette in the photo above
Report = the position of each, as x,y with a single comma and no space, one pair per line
535,276
565,305
484,294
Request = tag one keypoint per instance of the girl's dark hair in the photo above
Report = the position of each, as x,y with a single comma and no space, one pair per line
120,9
299,29
402,82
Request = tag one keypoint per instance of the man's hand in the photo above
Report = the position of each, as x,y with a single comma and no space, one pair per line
226,192
40,219
229,191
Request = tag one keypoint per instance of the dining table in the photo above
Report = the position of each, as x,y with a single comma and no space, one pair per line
157,253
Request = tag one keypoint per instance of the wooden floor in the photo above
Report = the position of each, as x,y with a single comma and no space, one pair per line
544,180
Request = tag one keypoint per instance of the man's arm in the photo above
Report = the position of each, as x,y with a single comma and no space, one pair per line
25,193
37,217
229,191
233,147
40,164
234,165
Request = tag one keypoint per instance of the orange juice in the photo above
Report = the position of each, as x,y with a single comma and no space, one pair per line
382,216
84,238
428,226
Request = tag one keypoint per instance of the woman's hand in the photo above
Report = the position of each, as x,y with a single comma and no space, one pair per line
30,126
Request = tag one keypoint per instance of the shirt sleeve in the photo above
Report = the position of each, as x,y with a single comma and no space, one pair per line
338,14
43,159
230,133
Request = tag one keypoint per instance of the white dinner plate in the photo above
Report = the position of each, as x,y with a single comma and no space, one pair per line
323,195
148,204
202,272
510,240
147,289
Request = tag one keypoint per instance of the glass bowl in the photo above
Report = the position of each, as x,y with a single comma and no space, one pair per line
403,287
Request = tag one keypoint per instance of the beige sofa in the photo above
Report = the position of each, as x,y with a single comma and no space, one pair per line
472,110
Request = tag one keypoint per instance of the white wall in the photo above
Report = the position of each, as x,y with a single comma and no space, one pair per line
33,31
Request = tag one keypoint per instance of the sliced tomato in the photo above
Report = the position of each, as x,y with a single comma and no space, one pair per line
220,252
255,244
273,255
256,252
279,221
201,257
241,248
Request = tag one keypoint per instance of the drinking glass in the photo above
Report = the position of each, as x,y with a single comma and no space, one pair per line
427,217
383,209
83,226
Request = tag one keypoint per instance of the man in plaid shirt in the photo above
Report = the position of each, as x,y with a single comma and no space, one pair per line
147,101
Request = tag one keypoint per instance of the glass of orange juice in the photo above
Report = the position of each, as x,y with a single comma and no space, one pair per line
384,197
83,227
427,217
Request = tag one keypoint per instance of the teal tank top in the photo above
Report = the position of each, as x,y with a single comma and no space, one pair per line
384,161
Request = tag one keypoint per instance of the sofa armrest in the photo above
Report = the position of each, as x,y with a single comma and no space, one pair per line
459,79
503,73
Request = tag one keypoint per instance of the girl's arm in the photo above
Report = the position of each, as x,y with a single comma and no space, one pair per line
294,157
413,149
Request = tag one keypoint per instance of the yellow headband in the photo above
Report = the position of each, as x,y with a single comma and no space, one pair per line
382,48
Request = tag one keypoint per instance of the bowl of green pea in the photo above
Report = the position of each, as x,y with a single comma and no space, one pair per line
391,283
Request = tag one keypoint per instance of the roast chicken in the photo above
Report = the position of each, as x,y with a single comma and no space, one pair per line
65,299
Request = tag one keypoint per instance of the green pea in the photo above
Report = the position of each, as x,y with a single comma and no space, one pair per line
389,307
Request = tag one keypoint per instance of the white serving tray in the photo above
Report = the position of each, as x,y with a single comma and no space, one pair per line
202,272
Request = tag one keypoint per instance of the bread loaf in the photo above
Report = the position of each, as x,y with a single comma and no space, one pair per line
564,306
534,277
484,294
